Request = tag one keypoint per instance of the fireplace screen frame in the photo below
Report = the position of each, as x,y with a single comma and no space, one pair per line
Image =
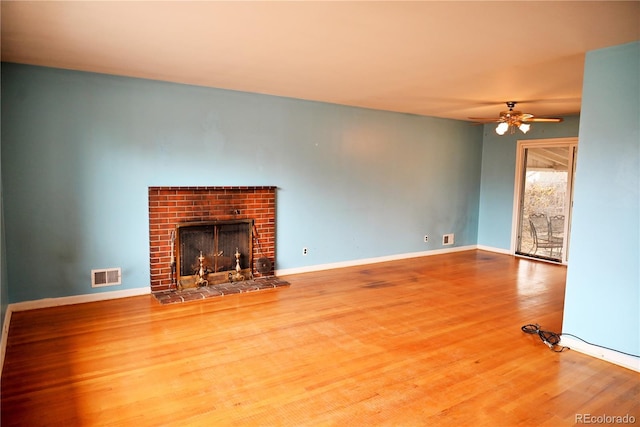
217,272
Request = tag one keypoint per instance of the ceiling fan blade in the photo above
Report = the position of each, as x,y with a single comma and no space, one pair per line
542,119
485,120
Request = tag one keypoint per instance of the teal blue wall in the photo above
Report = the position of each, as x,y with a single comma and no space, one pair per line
602,301
498,177
4,282
79,151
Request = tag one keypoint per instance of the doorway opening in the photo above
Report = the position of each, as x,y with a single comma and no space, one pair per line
544,198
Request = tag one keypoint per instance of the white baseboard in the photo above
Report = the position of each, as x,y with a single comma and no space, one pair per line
365,261
55,302
496,250
624,360
78,299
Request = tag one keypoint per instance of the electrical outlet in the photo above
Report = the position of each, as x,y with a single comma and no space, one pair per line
426,238
305,251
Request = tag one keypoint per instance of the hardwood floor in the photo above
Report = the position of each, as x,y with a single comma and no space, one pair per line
425,341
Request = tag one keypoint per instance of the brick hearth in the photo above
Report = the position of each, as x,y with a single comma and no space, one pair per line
195,294
169,206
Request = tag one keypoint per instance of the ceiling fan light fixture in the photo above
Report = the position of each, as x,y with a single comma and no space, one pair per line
524,127
512,119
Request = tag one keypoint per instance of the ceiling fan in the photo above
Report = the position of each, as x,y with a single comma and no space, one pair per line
512,119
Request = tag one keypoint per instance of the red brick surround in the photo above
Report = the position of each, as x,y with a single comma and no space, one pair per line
169,206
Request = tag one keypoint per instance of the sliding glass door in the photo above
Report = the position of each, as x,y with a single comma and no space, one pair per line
544,198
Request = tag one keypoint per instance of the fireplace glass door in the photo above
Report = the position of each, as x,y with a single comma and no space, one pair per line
213,246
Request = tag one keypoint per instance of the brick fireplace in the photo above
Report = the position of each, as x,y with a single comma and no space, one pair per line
172,207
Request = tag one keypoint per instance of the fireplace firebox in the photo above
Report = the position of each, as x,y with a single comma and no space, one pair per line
213,252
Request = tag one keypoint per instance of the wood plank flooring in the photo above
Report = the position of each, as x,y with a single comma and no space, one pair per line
426,341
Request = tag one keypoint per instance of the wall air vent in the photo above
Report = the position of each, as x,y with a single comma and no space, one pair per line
106,277
447,239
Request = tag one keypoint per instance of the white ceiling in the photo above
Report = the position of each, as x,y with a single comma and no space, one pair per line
451,59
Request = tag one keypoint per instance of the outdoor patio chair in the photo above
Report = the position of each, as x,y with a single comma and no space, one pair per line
542,236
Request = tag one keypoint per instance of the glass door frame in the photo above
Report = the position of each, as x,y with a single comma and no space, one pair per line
521,168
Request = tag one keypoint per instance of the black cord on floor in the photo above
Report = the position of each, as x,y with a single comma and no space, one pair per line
551,339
